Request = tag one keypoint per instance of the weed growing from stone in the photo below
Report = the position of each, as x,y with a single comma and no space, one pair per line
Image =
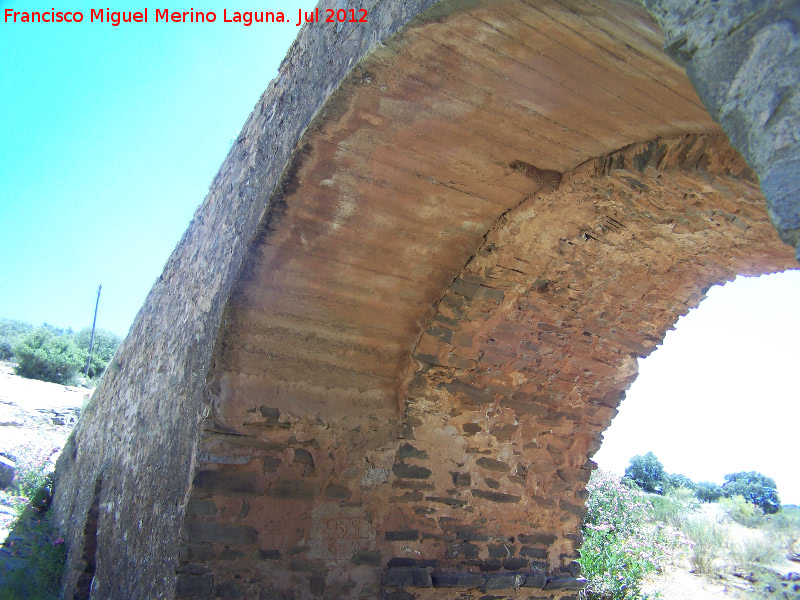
33,555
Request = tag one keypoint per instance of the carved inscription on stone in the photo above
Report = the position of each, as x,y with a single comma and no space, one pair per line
339,531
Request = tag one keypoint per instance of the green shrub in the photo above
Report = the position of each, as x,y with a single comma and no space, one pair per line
41,547
621,543
706,491
45,355
103,349
739,510
647,472
676,480
11,331
754,487
44,553
709,542
673,507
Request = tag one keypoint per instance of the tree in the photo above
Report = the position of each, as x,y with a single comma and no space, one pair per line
45,355
676,480
103,349
706,491
754,487
11,331
647,472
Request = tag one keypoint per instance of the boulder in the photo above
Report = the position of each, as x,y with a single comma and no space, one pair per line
7,472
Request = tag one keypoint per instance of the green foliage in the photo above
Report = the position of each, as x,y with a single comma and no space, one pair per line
706,491
52,354
676,480
754,487
41,552
647,472
739,510
672,507
709,541
42,354
621,544
103,349
11,331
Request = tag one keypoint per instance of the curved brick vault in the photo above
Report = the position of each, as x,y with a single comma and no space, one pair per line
383,372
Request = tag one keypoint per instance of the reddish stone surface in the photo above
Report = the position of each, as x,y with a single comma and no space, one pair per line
521,367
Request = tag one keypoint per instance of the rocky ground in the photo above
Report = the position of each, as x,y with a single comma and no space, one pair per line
35,420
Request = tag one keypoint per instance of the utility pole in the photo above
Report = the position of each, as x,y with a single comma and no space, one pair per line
91,339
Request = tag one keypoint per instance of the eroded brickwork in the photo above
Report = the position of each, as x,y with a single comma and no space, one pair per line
381,356
480,485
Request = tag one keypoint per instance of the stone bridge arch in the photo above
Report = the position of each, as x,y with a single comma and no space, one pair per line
380,359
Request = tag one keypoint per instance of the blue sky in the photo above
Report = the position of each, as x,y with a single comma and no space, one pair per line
111,136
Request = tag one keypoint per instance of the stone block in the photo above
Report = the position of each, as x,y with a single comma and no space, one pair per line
535,579
458,580
501,550
407,577
492,465
566,583
503,581
401,561
496,497
197,553
229,591
229,483
515,564
193,586
492,564
219,533
408,535
410,471
461,479
447,501
367,558
543,539
407,497
338,492
266,554
374,477
292,489
303,456
531,552
7,472
409,451
269,413
199,507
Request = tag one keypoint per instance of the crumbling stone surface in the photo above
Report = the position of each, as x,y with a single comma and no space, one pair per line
533,372
395,330
742,58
